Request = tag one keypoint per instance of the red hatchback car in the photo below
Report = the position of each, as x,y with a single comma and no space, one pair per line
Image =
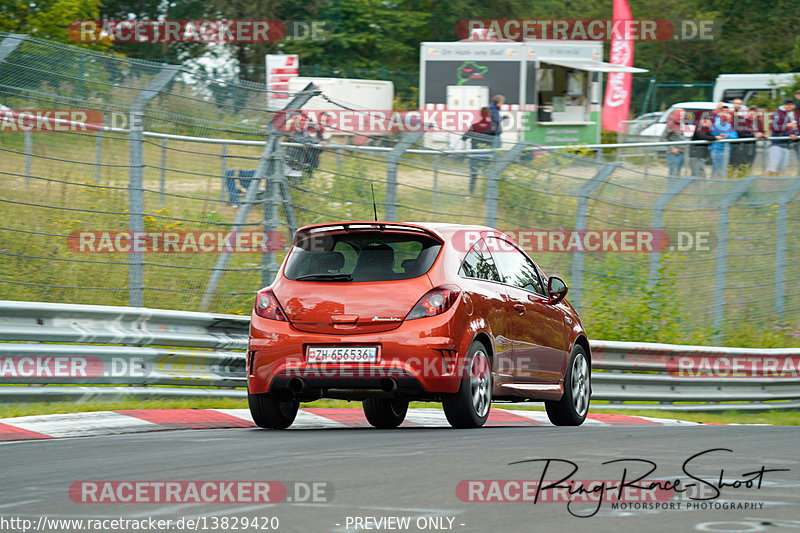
388,313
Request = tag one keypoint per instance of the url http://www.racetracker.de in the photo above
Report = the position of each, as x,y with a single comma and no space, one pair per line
46,524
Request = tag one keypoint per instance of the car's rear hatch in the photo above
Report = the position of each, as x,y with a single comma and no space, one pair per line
355,278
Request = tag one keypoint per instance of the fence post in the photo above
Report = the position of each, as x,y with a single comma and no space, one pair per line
163,172
576,283
675,188
224,171
98,154
502,161
408,140
780,247
135,185
722,253
269,169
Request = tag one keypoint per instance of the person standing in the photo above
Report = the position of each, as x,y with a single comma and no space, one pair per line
739,151
784,124
754,127
796,145
673,132
699,152
497,121
722,128
479,137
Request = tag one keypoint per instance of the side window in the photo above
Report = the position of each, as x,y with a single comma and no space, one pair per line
479,264
516,269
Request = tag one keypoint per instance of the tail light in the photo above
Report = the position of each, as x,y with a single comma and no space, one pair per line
267,306
435,302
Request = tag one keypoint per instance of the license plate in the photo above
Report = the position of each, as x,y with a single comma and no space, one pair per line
342,354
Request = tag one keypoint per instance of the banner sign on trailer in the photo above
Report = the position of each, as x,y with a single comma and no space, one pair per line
280,68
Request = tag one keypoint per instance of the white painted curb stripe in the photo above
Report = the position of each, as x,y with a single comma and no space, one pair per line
83,424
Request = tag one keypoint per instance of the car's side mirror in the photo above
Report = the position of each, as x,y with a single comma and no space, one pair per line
557,290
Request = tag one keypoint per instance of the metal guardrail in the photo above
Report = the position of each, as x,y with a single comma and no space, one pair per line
106,345
674,375
109,352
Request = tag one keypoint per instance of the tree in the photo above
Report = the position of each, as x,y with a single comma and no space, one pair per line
48,19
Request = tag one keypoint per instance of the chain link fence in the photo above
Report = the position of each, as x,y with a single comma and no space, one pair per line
179,152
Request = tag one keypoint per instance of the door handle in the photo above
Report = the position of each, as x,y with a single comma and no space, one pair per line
520,308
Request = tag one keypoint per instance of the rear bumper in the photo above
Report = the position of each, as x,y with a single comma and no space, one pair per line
420,358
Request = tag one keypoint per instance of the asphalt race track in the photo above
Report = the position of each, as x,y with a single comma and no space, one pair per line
413,472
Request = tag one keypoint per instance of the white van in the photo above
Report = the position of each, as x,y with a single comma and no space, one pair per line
745,86
694,112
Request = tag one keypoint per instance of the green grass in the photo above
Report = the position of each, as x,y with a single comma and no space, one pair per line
772,417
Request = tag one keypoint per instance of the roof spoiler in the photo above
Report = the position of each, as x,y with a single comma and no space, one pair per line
366,226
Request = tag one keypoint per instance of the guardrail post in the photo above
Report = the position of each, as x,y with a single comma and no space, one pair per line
408,140
270,169
722,253
502,161
676,187
780,247
576,283
135,185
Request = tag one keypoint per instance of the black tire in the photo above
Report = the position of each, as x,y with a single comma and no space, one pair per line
272,412
572,408
470,406
384,413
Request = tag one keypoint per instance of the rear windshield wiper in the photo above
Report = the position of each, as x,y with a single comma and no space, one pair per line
325,277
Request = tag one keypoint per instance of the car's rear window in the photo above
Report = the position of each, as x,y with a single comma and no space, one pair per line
361,256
